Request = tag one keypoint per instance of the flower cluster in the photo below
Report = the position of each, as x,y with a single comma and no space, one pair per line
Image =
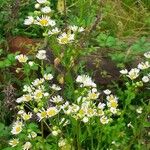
134,73
43,102
43,18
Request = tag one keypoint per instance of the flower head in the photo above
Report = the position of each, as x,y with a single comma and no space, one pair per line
17,127
22,58
133,73
46,10
65,38
27,146
41,54
29,20
13,142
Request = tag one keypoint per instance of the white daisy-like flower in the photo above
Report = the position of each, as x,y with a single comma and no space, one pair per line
85,80
57,99
41,54
124,71
111,98
41,1
53,31
112,103
48,76
17,128
139,110
27,146
13,142
56,87
75,28
101,105
104,120
22,58
62,142
29,20
93,95
45,21
133,73
143,65
38,94
145,79
52,111
46,10
107,92
147,54
38,82
65,38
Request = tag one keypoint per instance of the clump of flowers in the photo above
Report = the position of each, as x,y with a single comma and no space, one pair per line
42,104
43,17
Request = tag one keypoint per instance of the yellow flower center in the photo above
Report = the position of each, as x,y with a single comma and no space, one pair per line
18,128
51,112
114,104
43,22
43,114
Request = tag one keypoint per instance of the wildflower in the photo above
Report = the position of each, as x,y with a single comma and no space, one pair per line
22,58
112,103
139,110
93,95
38,94
53,31
52,111
41,1
13,142
101,105
42,114
27,146
147,54
45,21
46,10
124,71
85,80
27,97
65,38
32,135
145,79
133,73
56,87
17,127
41,54
56,99
104,120
29,20
111,98
76,28
38,82
143,65
48,76
26,116
107,91
90,112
